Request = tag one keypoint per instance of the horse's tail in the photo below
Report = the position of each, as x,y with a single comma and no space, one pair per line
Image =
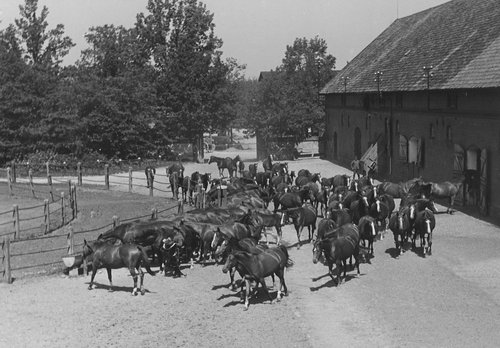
289,261
145,260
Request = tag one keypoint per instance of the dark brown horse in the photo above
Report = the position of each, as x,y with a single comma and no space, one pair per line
336,252
304,216
425,222
226,163
401,225
257,267
110,256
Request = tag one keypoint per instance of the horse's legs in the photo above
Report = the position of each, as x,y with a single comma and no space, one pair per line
232,284
279,233
264,286
133,273
299,232
247,293
110,280
141,274
430,243
94,271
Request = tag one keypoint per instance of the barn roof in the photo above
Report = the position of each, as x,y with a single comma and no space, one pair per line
460,39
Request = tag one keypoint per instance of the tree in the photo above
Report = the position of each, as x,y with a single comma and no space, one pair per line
39,46
286,102
194,82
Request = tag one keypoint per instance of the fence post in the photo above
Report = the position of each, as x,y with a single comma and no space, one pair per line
15,216
6,253
75,204
130,179
116,220
154,214
62,209
51,188
9,180
150,180
46,213
30,175
79,173
47,167
13,166
106,176
189,192
71,240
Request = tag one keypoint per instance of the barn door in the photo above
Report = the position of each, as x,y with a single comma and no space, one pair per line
483,188
458,171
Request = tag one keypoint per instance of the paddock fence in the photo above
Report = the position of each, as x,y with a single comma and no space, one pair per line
43,254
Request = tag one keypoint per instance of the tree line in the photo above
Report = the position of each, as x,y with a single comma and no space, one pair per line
135,91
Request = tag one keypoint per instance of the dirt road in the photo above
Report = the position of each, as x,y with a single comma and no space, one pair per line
449,299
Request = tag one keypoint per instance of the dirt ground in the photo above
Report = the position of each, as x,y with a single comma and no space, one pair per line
449,299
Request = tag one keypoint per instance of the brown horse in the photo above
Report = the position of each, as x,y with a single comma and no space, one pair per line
226,163
109,256
447,189
337,251
259,266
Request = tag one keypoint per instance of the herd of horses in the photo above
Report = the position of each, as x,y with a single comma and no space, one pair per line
343,218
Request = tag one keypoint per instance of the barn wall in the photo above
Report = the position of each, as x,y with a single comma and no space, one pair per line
472,119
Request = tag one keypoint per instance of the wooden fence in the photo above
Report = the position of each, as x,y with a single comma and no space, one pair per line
44,252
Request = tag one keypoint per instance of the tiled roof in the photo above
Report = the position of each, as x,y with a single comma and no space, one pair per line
459,39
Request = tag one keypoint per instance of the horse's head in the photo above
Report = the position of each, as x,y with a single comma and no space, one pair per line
87,248
230,263
317,250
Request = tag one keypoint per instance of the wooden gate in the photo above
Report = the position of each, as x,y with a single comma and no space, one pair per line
484,187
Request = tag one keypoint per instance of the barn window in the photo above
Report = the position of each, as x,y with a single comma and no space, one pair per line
397,127
403,148
449,135
431,131
416,151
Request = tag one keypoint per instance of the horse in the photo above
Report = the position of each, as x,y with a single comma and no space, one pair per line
109,256
399,190
249,245
302,217
267,218
288,200
447,189
225,163
176,181
424,225
401,225
302,180
380,212
279,168
259,266
337,251
205,232
367,231
267,163
150,172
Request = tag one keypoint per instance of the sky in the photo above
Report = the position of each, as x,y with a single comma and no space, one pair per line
255,32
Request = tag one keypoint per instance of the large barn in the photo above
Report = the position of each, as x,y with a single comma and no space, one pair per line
423,99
